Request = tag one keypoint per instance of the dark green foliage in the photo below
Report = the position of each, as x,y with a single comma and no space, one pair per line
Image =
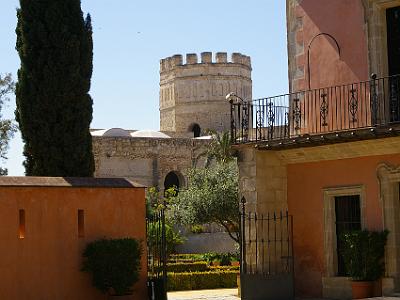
114,264
54,108
7,127
173,237
211,197
363,253
202,280
223,258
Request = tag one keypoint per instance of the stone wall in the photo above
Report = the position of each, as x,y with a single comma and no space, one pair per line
146,160
194,92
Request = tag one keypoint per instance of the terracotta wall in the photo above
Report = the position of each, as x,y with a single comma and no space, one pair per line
306,182
334,34
46,263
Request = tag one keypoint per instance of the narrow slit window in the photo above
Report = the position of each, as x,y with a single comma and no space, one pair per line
81,223
21,228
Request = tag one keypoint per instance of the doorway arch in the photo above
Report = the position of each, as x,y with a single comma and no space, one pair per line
173,179
196,129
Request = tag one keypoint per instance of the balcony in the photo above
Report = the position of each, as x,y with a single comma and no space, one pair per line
357,111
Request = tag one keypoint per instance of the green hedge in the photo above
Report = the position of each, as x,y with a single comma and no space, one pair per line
198,266
202,280
224,268
185,257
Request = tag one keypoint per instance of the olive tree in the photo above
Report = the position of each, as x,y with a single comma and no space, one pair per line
211,197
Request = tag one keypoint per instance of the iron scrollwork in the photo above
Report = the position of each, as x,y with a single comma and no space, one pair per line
271,120
296,114
260,121
245,121
324,110
353,105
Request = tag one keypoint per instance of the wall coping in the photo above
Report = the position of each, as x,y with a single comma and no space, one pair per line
74,182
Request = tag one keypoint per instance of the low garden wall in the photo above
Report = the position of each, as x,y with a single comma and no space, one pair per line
46,223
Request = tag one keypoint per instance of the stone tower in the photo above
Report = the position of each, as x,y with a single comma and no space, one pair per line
192,94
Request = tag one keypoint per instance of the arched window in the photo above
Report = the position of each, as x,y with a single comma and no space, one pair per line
171,180
195,128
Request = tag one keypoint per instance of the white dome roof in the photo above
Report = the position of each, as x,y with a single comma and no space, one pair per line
116,132
149,134
98,132
112,132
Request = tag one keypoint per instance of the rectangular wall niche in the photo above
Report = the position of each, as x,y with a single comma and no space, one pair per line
21,227
81,223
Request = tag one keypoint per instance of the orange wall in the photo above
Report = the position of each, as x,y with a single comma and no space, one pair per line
46,263
305,201
344,20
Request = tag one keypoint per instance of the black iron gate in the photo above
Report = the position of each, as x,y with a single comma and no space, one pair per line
266,256
156,256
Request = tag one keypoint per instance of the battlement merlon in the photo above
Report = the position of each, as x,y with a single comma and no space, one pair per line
170,63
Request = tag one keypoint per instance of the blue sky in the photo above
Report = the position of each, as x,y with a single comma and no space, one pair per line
130,37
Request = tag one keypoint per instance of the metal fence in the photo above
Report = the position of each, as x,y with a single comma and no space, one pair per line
156,256
371,103
267,264
266,243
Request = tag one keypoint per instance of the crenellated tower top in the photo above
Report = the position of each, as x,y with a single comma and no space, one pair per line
172,62
192,92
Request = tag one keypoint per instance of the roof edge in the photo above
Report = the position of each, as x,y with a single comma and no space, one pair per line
89,182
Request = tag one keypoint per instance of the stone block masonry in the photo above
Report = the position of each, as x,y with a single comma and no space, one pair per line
194,92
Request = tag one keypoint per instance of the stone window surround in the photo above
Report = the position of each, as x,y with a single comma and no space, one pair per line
389,181
330,245
375,16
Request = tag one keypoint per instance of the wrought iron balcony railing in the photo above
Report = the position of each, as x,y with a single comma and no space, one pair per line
361,105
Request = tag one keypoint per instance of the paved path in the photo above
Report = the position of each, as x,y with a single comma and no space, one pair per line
220,294
226,294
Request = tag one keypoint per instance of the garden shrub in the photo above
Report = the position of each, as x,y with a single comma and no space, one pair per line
113,263
202,280
186,257
173,238
224,268
223,258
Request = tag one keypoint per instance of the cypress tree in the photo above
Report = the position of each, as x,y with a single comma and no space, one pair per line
54,108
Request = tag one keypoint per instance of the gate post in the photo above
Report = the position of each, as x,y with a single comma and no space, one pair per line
164,251
243,264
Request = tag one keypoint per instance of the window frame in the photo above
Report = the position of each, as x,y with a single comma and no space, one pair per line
329,225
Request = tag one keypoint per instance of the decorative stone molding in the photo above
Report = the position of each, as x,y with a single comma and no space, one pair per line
389,181
335,287
330,245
